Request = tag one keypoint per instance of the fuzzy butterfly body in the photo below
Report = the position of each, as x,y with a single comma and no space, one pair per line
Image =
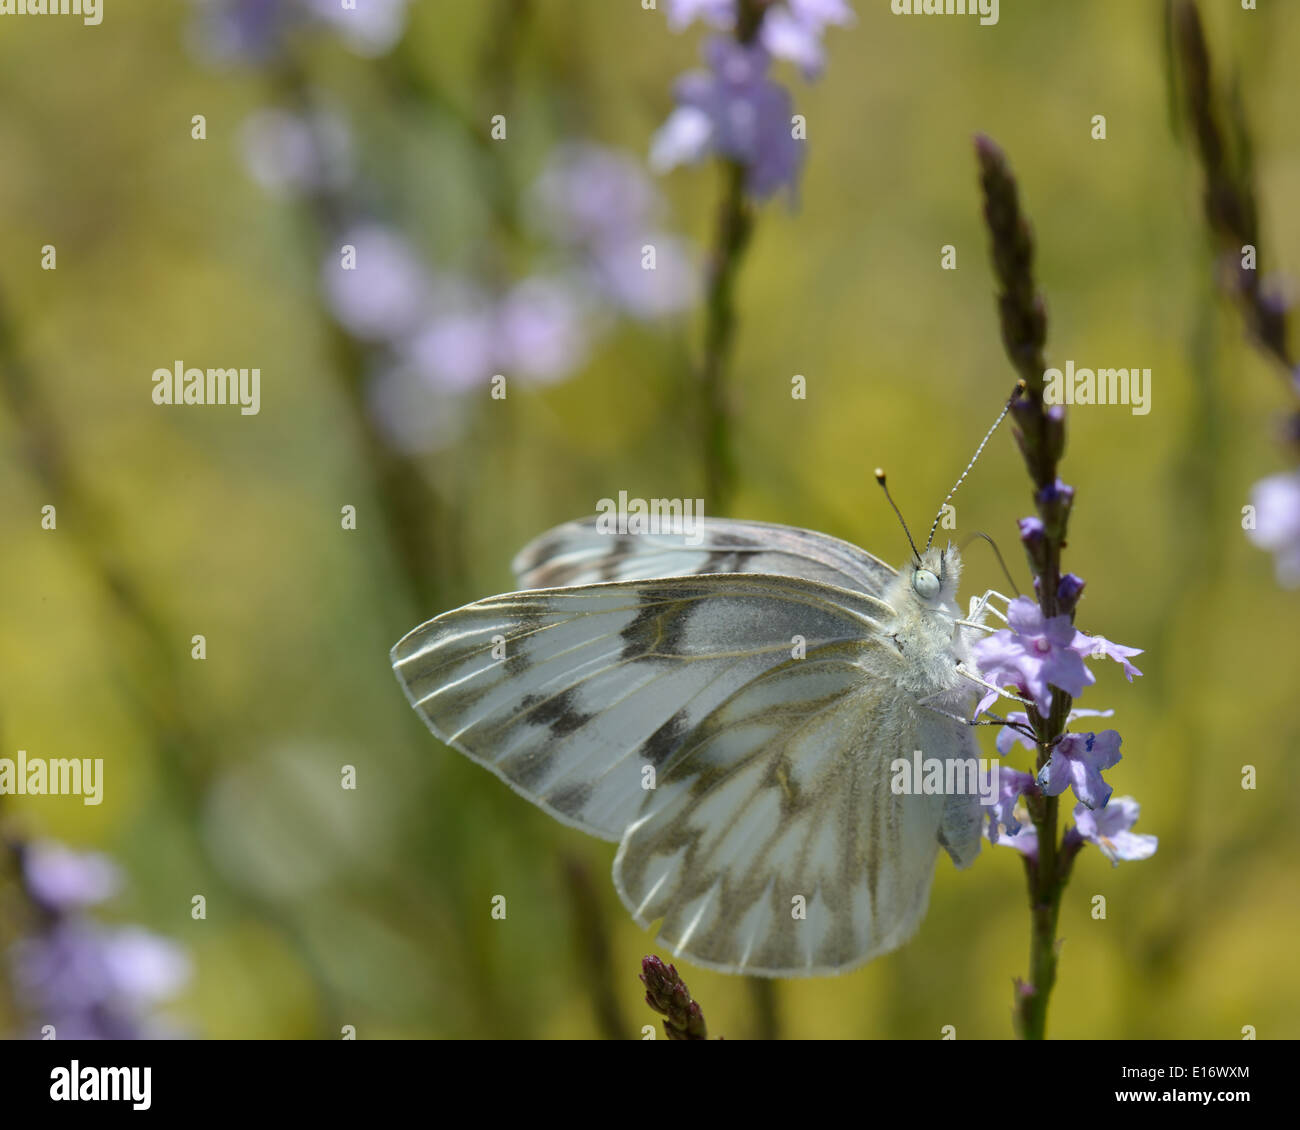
727,712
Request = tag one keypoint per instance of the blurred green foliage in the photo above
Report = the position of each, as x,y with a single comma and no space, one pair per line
371,907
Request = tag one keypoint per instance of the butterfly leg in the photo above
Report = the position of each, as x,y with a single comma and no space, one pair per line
990,687
980,605
990,720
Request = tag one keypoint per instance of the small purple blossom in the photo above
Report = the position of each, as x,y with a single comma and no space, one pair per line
735,111
1024,841
1033,655
1031,530
1096,647
1077,761
1009,736
1057,492
1012,785
1108,828
1276,500
1068,590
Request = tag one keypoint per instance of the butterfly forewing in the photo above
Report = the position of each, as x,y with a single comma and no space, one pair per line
578,553
569,694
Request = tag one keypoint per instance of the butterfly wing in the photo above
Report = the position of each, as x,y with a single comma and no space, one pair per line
568,694
578,553
774,843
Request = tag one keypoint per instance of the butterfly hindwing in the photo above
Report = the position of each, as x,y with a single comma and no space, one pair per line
568,694
774,843
579,553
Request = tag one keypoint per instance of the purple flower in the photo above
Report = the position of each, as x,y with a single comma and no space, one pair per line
720,14
1033,655
382,291
1076,762
1031,530
537,332
735,111
1008,737
60,879
1024,841
621,277
1012,785
795,31
1277,523
456,350
541,330
1096,647
604,208
230,31
92,982
588,194
87,980
256,31
792,30
371,27
292,154
1108,828
1068,590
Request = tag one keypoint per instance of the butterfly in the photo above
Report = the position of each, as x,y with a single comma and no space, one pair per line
726,708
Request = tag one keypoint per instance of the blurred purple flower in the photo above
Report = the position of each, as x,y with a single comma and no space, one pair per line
234,31
1077,761
385,292
720,14
96,983
372,27
257,31
735,111
541,330
794,31
1108,828
791,30
538,331
620,275
601,204
455,351
292,154
587,194
1277,523
58,878
88,981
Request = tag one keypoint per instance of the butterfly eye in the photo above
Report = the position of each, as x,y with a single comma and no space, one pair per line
926,584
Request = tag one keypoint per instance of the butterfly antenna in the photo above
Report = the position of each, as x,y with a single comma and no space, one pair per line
1015,394
996,553
880,478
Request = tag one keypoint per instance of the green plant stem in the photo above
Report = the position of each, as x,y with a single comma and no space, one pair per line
1040,434
735,226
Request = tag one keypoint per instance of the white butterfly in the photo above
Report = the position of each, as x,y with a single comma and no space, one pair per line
642,660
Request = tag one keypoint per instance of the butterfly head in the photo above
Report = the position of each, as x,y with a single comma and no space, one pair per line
935,575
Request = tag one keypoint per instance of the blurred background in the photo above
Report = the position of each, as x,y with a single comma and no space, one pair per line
520,255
